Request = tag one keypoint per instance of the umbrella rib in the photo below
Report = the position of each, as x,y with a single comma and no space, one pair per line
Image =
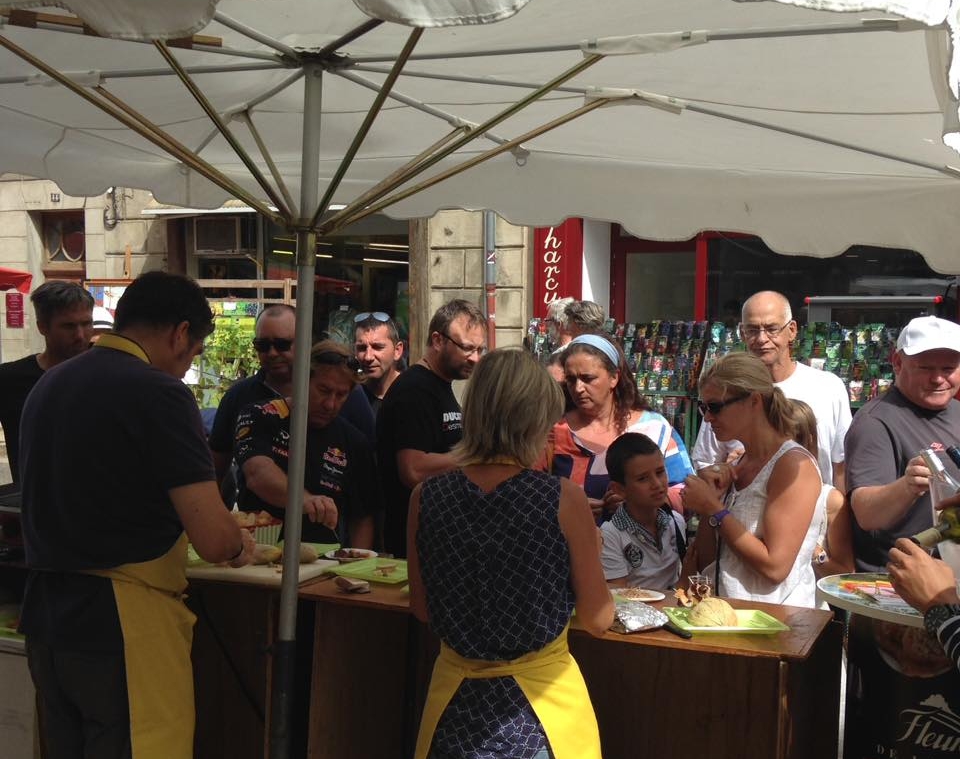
469,164
571,72
367,124
256,36
472,79
127,116
947,170
214,116
346,39
134,73
451,119
247,119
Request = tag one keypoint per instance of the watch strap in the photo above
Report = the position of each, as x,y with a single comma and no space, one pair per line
714,520
936,616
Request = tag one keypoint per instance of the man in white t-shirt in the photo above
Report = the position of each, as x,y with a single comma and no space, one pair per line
768,329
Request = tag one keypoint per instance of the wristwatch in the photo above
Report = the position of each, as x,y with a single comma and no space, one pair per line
935,616
714,520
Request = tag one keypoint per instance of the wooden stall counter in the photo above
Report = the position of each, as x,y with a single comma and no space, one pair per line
655,694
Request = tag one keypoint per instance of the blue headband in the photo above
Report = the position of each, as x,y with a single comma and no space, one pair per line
601,344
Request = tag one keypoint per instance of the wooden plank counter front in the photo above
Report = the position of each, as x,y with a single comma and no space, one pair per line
655,694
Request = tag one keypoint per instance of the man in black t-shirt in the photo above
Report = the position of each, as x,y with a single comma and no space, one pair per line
106,528
64,315
419,421
340,479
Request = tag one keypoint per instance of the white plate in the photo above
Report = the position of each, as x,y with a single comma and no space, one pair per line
366,554
637,594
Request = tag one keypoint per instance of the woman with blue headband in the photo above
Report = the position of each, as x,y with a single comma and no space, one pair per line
607,404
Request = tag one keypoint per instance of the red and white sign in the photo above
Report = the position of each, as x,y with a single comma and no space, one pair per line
14,308
558,271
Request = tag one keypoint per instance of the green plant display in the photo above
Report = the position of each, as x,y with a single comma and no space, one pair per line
228,355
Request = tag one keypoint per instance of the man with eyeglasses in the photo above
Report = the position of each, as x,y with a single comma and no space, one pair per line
379,350
768,329
420,421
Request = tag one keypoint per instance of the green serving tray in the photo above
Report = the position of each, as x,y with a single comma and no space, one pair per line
367,570
750,621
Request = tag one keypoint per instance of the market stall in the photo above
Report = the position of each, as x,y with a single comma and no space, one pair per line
655,694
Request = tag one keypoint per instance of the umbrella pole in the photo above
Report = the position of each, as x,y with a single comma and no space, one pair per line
284,650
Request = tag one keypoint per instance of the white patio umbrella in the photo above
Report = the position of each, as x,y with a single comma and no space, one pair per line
813,130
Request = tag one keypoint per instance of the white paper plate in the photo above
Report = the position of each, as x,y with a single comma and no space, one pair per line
360,555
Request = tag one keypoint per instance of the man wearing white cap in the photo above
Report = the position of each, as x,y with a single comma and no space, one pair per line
886,480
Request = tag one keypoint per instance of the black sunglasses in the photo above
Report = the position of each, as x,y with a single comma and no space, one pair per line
380,316
715,407
263,344
332,358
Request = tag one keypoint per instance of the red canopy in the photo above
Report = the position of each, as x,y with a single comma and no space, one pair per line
11,278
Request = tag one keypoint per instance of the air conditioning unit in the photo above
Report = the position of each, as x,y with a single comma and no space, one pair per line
224,235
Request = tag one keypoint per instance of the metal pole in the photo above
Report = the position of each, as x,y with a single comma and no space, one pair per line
285,648
490,274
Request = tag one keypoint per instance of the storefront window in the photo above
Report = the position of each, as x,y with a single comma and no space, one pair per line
741,266
659,286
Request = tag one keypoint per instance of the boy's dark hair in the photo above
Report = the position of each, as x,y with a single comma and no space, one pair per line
55,296
623,449
158,299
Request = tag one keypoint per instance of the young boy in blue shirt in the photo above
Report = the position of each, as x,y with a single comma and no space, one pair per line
643,543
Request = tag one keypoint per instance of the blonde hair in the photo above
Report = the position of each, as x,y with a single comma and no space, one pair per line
510,405
804,425
741,374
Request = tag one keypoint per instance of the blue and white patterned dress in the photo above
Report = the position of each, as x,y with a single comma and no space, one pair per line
496,571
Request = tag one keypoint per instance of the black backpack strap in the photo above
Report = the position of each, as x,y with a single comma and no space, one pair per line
681,539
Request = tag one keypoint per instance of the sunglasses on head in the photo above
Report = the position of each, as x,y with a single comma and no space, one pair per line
332,358
380,316
263,344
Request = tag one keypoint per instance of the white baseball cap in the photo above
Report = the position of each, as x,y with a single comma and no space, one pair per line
102,319
929,333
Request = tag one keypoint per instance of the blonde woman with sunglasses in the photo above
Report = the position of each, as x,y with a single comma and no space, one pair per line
755,539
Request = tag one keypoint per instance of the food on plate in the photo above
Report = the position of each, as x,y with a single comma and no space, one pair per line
638,594
713,612
351,553
385,570
264,554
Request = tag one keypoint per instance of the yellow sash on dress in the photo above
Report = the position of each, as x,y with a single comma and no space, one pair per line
157,637
549,678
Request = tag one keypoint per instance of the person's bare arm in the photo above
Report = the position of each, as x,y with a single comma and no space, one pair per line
839,538
414,466
361,531
418,599
792,493
594,603
840,476
877,507
215,534
269,482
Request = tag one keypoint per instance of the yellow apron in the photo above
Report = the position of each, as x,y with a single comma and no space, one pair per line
549,678
157,636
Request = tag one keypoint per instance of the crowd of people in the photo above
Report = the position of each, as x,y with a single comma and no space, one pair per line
560,475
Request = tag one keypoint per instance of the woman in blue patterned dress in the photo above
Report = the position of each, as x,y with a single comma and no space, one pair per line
499,555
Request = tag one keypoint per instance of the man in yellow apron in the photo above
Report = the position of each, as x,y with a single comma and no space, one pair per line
116,476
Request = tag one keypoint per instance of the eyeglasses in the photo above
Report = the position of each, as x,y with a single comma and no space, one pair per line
754,330
332,358
715,407
380,316
263,344
467,350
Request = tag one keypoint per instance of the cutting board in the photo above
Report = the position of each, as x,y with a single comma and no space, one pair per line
264,575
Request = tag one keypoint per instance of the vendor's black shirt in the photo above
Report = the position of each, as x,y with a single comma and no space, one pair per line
17,379
105,437
339,464
420,413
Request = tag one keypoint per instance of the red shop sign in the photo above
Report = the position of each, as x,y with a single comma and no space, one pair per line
558,267
14,308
